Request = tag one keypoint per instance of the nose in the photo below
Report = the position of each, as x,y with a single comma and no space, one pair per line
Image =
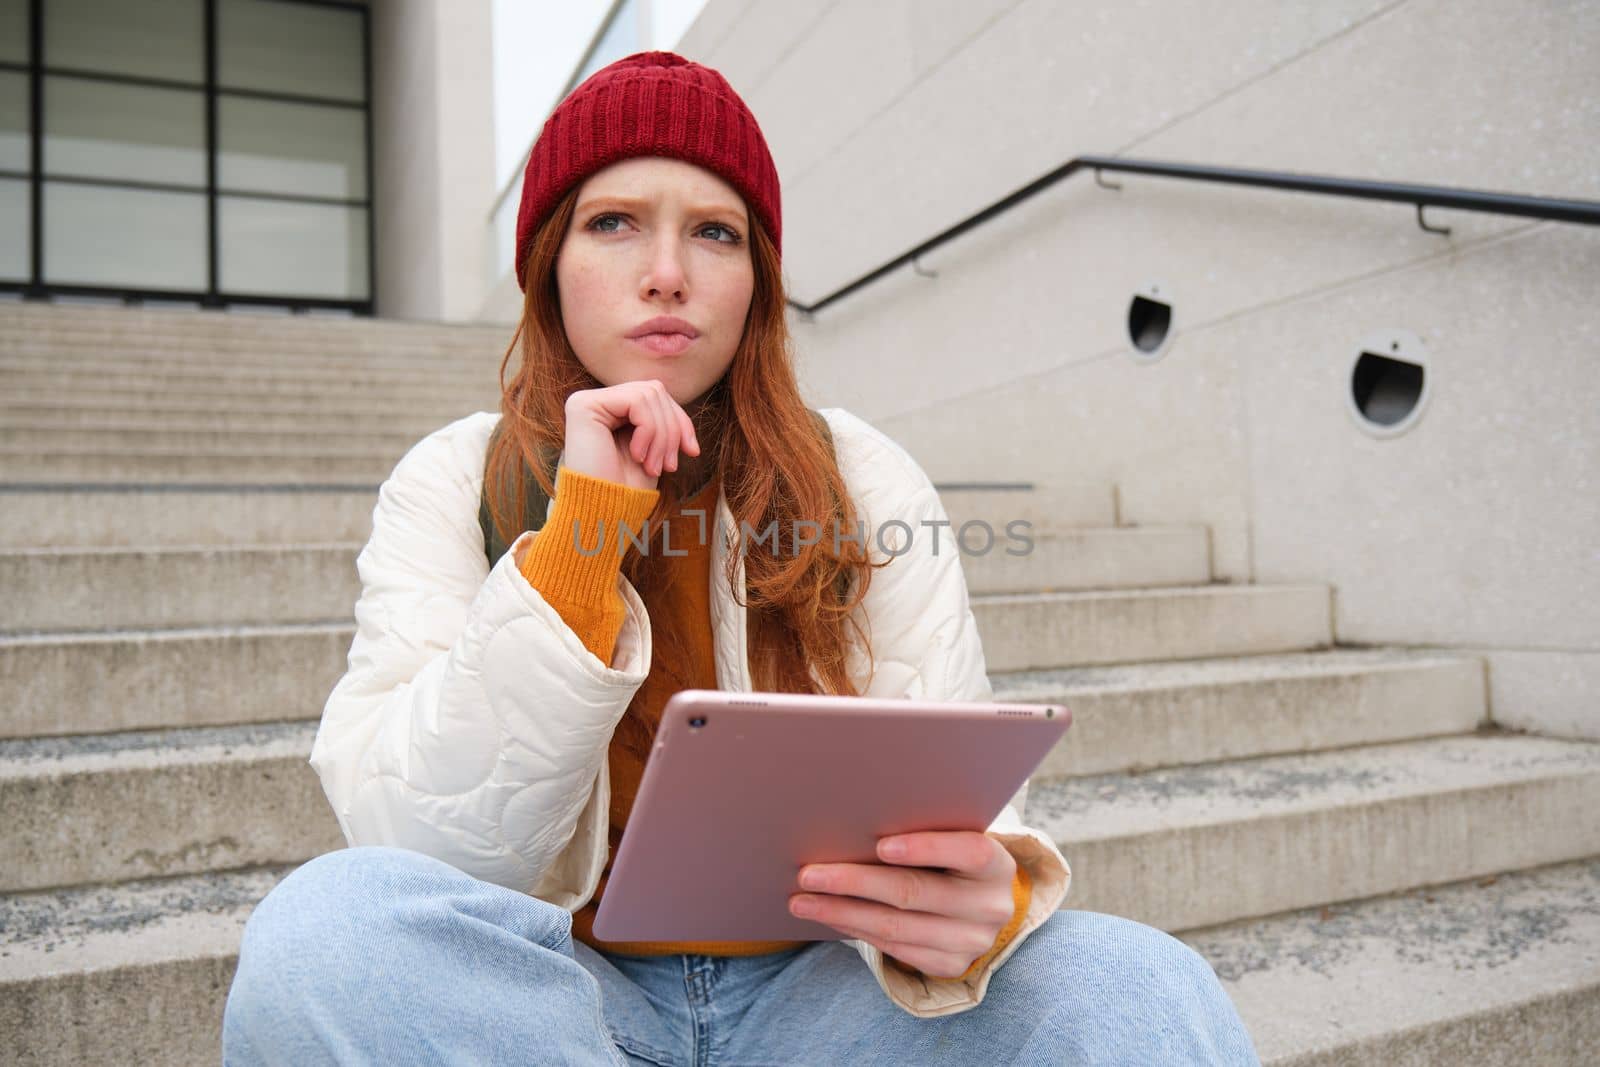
665,274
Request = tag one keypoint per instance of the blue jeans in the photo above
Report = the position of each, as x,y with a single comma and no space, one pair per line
379,955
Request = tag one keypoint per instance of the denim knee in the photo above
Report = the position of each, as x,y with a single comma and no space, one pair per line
1109,950
359,886
332,886
342,904
345,955
1133,978
317,904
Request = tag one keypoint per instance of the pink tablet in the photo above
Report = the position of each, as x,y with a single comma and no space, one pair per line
743,789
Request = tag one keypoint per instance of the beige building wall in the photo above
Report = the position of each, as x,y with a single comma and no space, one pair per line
1476,529
433,156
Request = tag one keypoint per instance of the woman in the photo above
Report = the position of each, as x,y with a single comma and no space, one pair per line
483,750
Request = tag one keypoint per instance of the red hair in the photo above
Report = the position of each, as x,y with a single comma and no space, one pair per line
771,460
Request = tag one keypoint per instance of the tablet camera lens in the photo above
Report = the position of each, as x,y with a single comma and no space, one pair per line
698,721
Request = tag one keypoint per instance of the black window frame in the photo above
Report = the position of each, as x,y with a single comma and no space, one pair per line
213,296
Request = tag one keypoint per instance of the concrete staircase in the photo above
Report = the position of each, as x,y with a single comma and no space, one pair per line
1377,874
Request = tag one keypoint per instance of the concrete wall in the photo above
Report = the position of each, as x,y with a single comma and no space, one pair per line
1475,529
433,156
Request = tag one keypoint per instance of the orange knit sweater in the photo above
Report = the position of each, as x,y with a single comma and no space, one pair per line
583,590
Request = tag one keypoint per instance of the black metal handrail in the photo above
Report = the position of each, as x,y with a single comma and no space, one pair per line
1586,212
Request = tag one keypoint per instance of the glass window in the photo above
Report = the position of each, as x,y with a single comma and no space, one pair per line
150,39
95,235
14,136
14,31
273,147
274,248
290,48
130,132
16,243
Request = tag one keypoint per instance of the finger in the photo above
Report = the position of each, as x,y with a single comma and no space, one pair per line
649,417
669,428
908,889
691,441
931,962
887,923
678,420
615,406
971,853
643,429
594,406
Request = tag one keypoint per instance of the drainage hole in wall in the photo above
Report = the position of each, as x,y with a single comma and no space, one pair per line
1385,390
1148,322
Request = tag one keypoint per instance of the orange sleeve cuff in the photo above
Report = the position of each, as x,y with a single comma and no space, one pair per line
574,559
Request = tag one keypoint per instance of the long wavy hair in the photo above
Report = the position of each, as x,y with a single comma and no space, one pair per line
769,456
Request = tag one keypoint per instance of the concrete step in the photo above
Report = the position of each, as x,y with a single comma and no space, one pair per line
86,683
1030,631
112,326
130,973
94,420
265,355
1186,847
155,517
1179,848
352,381
1498,971
54,589
232,466
112,807
75,681
1045,508
90,406
58,589
1146,715
1128,557
1502,972
150,352
179,437
186,358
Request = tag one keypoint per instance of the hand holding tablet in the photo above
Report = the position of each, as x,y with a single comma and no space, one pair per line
937,920
742,790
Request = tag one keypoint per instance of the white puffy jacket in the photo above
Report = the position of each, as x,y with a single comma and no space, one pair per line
472,724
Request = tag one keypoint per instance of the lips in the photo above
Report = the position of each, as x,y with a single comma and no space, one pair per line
663,344
664,324
664,335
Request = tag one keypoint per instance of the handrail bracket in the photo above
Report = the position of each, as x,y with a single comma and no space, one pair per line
1424,222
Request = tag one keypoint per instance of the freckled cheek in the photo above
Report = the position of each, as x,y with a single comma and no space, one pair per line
731,297
583,282
585,294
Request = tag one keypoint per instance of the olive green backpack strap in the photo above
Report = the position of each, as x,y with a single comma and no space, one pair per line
537,501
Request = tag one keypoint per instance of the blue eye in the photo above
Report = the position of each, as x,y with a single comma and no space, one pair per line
733,238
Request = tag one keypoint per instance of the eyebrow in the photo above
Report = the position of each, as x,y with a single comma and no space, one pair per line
636,203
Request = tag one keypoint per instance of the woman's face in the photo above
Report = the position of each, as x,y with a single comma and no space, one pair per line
653,236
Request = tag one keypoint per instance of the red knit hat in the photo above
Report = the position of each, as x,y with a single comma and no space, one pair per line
649,103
